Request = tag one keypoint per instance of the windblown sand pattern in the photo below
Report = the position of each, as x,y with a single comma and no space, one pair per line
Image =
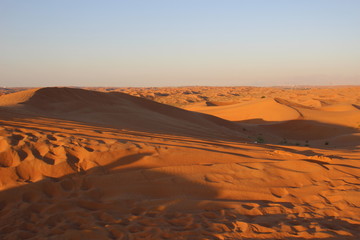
82,164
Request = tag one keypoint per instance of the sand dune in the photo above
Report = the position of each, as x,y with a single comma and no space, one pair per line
265,110
340,108
115,110
278,119
79,164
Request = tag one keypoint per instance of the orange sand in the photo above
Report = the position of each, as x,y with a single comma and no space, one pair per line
80,164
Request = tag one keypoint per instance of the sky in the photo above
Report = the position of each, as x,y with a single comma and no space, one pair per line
134,43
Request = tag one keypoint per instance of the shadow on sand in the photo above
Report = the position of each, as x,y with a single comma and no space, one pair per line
305,133
120,202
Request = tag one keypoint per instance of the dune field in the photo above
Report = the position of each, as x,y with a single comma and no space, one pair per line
180,163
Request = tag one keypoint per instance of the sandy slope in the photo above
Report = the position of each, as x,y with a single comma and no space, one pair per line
264,110
282,121
116,110
77,164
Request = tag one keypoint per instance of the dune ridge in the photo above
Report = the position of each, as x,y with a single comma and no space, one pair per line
114,109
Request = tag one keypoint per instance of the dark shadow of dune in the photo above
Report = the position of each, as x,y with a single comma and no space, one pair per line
217,103
306,132
356,106
257,121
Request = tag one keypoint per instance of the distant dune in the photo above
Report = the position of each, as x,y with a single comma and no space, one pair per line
231,163
278,118
266,110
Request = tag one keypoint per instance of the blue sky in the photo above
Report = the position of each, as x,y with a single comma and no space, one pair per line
177,43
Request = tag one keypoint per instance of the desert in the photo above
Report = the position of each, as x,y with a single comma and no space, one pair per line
180,163
179,120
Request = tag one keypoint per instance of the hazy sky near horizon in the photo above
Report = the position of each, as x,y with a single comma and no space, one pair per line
177,43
